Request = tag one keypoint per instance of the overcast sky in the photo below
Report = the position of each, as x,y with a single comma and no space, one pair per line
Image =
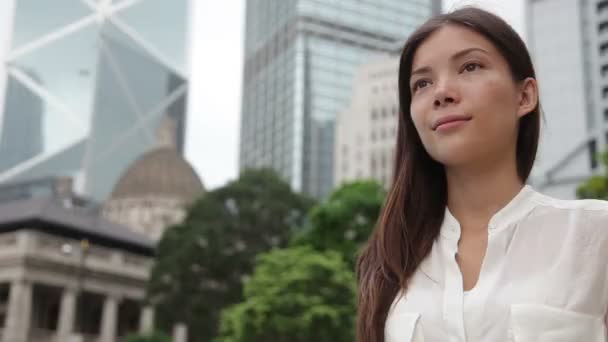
216,59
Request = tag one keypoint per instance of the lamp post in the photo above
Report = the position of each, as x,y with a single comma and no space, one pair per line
68,249
84,249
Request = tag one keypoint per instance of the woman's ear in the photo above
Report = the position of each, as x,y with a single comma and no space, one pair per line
528,96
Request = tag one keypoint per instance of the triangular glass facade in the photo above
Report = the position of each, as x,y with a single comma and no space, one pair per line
87,83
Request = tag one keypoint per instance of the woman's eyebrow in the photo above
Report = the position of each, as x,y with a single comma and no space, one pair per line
459,54
421,70
467,51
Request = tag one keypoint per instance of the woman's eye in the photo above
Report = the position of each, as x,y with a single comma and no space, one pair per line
420,84
472,67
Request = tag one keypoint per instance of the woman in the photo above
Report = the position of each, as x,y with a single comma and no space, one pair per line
463,250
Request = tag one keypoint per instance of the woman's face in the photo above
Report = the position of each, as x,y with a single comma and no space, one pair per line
465,104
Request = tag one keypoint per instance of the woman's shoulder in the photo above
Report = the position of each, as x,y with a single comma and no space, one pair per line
590,211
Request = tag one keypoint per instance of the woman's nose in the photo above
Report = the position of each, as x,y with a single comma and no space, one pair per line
443,100
445,93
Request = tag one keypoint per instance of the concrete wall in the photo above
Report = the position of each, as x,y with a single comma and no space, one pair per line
560,44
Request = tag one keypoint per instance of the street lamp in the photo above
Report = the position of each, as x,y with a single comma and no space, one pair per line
84,249
68,249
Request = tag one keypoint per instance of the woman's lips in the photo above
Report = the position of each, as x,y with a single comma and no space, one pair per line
450,121
449,125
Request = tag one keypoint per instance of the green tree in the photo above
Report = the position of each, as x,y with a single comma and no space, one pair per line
202,263
295,295
154,337
344,222
596,186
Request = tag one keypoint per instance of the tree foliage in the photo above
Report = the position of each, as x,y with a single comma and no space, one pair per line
344,222
154,337
596,186
201,264
295,295
307,292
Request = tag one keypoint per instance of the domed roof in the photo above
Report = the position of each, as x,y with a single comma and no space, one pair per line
160,172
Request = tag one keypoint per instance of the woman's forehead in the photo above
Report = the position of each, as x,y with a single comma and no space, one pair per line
448,41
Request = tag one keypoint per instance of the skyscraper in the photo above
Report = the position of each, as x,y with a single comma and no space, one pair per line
87,83
570,52
24,121
300,58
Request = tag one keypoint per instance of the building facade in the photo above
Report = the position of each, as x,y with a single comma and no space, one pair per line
300,59
366,132
66,274
85,84
570,52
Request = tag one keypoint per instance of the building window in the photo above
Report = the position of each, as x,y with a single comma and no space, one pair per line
383,134
606,114
604,70
373,165
603,26
602,5
593,154
373,136
605,92
374,114
383,113
603,48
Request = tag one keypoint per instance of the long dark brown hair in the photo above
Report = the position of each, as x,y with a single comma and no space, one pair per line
414,210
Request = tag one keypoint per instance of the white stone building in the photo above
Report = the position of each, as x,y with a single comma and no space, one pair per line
366,133
66,274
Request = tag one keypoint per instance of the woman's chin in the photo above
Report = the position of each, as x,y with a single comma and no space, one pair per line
453,157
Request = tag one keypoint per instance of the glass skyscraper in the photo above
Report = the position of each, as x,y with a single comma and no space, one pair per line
84,85
300,57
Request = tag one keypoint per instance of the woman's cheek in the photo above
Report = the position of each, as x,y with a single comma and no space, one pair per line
417,115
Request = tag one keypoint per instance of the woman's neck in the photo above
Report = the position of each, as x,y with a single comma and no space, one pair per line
475,195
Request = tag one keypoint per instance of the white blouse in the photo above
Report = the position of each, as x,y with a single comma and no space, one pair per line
544,278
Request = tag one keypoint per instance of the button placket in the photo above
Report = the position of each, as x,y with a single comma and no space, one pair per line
453,296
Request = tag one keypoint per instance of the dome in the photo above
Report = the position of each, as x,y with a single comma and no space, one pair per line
161,172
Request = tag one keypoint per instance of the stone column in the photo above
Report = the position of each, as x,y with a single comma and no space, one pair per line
109,319
19,312
180,333
146,320
67,314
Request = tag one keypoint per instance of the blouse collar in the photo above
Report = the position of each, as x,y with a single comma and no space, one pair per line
514,211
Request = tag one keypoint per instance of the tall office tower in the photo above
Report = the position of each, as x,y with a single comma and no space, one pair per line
84,85
568,40
22,138
300,59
